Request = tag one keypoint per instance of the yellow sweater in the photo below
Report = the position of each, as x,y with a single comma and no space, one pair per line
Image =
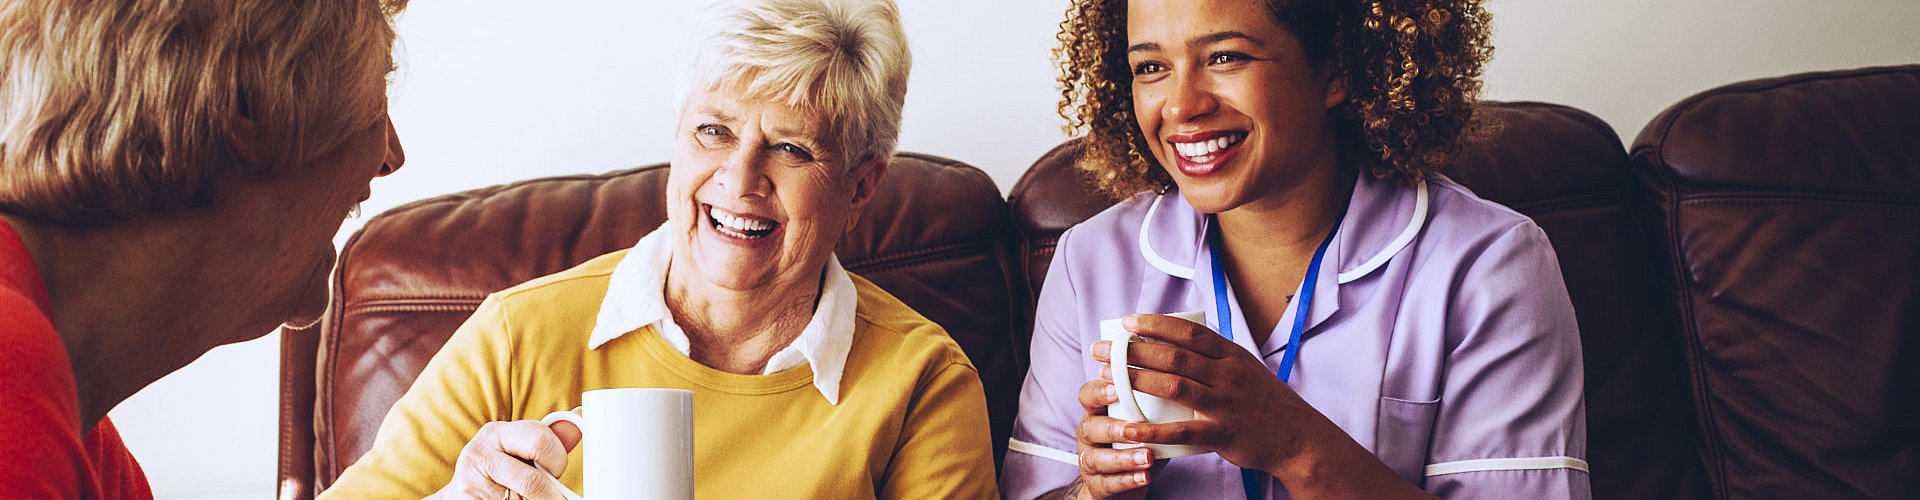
911,422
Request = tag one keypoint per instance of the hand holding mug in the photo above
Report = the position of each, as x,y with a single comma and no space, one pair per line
1111,465
492,465
1241,410
1106,472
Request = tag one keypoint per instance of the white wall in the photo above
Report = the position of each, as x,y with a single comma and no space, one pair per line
493,91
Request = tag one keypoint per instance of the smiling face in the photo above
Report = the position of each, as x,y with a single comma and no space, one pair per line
759,194
1227,100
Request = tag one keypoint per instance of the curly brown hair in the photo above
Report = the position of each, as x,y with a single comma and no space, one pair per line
1412,69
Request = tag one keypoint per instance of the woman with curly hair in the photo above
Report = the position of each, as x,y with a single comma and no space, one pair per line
1372,329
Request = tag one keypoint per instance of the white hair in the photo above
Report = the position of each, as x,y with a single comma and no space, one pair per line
843,60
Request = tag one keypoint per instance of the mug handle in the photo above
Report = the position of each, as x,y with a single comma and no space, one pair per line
1122,380
577,421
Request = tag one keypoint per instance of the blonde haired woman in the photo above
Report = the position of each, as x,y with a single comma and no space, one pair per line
808,381
171,178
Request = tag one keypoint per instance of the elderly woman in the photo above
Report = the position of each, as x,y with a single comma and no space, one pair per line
171,178
808,381
1373,330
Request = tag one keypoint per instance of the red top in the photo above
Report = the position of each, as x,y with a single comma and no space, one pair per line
44,454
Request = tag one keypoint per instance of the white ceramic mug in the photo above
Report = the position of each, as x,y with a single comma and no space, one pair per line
1136,406
636,443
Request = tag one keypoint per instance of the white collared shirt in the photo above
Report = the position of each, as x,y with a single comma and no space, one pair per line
636,297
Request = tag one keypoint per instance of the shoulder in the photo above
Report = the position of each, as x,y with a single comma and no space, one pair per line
39,417
889,329
1117,224
1467,223
590,278
1125,240
35,357
544,313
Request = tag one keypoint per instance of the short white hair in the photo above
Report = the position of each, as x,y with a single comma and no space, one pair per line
843,60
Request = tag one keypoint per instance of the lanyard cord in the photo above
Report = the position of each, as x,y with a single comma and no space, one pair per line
1252,479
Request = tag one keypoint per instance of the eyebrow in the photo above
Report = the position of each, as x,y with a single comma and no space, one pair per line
715,114
1208,39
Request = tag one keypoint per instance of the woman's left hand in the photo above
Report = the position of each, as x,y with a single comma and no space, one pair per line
1241,410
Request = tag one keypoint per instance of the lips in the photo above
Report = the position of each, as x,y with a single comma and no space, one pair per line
1202,153
741,226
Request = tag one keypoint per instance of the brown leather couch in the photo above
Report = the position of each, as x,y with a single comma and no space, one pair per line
1747,282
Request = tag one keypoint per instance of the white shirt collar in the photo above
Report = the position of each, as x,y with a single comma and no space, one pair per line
636,297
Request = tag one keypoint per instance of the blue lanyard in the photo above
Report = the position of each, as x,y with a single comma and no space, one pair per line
1251,479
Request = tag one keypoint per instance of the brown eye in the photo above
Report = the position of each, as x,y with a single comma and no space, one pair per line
1148,68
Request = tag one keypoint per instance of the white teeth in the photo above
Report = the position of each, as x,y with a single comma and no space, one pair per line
737,225
1203,151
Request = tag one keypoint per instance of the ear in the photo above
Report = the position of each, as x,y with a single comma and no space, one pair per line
866,182
244,137
1336,91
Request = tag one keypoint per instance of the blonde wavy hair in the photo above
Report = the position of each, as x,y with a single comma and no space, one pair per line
1412,68
112,110
843,60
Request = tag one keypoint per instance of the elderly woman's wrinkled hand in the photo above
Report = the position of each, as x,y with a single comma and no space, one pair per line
490,467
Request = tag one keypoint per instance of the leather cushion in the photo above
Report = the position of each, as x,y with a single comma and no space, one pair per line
1790,208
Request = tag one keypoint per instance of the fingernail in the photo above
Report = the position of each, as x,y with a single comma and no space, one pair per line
1109,394
1140,457
1129,322
1139,478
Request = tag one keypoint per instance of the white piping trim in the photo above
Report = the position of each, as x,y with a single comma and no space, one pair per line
1399,242
1491,464
1146,250
1043,452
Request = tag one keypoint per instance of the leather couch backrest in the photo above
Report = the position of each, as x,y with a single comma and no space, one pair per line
935,236
1567,170
1789,209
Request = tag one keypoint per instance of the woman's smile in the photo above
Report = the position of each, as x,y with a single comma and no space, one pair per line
739,226
1198,155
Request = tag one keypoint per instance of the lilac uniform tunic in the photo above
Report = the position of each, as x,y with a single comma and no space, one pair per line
1440,337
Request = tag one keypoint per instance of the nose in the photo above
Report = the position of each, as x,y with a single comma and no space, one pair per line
744,173
396,155
1192,98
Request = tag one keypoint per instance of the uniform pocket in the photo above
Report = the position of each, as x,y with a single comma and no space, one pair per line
1404,436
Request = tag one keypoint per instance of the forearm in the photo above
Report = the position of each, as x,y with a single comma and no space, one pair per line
1331,465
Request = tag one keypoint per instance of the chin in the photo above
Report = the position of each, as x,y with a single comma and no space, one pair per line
312,306
312,296
1208,197
731,274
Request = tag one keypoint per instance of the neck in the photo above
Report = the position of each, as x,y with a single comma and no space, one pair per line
1288,224
121,296
1266,245
738,331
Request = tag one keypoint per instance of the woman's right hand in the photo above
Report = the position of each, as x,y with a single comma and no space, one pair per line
491,465
1106,472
